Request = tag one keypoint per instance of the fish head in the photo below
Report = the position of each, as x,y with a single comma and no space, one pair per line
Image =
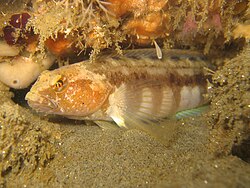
69,91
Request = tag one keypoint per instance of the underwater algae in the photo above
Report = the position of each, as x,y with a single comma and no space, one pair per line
25,145
37,151
230,99
66,27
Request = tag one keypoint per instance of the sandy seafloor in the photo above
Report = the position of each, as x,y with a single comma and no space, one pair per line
91,157
78,155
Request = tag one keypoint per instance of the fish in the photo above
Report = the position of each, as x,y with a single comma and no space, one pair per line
136,89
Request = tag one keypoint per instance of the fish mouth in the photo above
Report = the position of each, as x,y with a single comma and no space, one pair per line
41,103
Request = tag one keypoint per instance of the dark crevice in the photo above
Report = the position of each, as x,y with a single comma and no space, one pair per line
242,150
19,96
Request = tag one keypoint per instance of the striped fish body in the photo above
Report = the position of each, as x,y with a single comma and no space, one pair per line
129,89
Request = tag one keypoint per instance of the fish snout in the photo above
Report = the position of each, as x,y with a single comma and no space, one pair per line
40,103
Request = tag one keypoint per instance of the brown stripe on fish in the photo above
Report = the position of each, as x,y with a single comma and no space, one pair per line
164,102
172,79
146,102
176,93
157,100
144,64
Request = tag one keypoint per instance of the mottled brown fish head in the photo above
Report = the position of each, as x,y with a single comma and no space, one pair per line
69,91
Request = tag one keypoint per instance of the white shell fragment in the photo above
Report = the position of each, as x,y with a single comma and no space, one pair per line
22,71
158,50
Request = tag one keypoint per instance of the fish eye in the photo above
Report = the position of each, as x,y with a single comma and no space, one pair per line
60,84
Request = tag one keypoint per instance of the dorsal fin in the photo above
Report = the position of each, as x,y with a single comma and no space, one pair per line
151,53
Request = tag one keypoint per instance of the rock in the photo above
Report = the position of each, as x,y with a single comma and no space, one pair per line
22,71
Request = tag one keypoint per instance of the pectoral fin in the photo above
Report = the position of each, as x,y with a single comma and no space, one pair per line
127,112
133,107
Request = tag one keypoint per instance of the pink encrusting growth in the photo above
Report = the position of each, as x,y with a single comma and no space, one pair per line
216,22
190,24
